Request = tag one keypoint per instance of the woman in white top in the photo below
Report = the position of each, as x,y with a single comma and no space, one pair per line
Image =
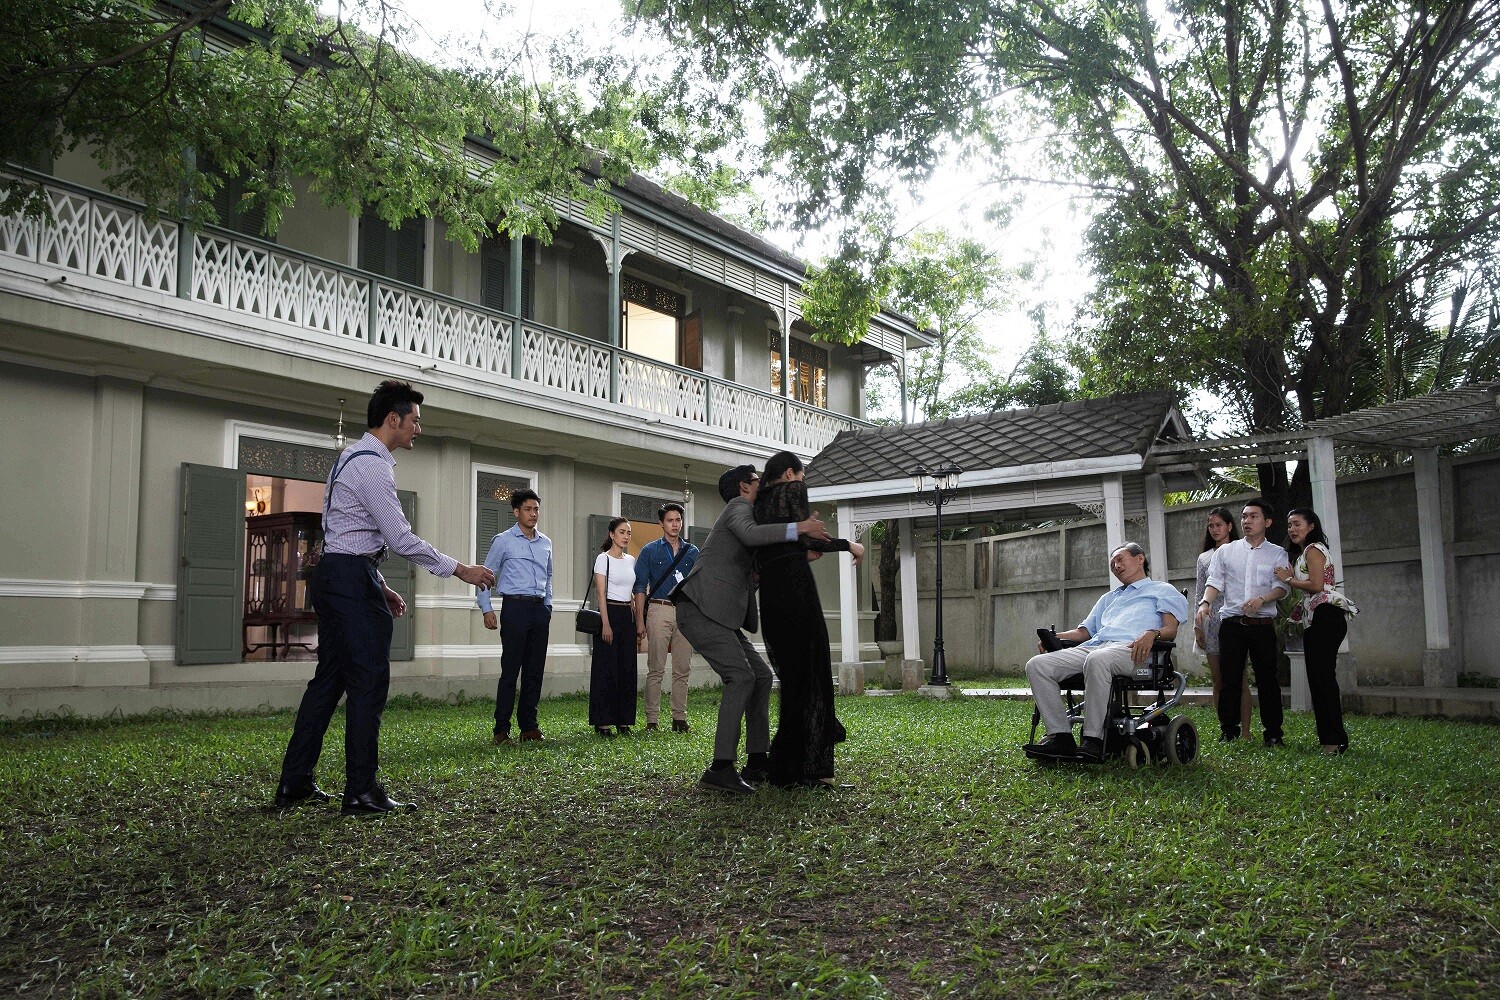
1321,613
1219,530
612,676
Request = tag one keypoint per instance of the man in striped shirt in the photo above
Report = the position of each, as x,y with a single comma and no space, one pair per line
362,521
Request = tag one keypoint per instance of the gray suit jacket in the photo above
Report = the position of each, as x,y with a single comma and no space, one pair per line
722,583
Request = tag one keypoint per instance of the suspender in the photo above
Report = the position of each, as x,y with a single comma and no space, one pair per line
334,476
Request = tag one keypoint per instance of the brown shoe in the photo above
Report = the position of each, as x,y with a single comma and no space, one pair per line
532,735
679,725
501,739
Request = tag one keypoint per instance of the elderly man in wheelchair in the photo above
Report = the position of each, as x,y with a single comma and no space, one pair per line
1116,639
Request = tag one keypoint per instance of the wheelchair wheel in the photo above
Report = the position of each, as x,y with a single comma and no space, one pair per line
1182,740
1137,755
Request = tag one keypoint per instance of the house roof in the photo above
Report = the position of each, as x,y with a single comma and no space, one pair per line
1127,424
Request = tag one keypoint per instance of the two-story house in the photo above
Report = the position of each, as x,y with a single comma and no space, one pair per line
176,398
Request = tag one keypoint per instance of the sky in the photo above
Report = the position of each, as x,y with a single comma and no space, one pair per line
1045,231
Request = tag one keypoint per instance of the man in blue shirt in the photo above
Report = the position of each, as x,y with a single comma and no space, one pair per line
521,559
1116,636
660,567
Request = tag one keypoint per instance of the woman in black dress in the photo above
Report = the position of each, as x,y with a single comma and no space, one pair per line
791,619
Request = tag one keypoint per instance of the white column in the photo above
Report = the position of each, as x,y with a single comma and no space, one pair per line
848,590
1156,526
1438,669
1114,514
909,619
1326,502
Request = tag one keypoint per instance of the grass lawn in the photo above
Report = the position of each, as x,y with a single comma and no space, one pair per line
140,859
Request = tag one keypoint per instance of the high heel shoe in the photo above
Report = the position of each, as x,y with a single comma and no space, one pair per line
605,732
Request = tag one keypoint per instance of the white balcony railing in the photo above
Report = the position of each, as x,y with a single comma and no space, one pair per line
101,237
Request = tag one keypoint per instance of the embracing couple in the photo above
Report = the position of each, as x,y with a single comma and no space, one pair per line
766,529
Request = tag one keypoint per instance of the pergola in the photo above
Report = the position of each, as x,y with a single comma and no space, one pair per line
1115,458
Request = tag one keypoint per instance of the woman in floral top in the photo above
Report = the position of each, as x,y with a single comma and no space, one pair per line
1322,615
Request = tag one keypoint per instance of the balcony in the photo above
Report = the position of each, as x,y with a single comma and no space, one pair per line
259,285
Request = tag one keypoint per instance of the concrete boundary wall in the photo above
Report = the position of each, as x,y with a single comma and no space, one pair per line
998,589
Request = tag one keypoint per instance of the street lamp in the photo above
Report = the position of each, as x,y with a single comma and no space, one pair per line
937,487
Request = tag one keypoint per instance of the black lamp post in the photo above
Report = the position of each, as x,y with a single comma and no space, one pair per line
937,487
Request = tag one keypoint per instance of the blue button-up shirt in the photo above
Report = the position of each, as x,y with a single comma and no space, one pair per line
521,566
1126,613
653,561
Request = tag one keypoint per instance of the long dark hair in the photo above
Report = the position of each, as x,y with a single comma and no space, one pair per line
1222,513
1314,533
614,523
777,466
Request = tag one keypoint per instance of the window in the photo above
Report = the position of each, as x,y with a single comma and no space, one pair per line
653,324
396,253
809,372
494,274
232,210
492,510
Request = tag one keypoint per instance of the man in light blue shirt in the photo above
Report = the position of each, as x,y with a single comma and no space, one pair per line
521,559
1116,636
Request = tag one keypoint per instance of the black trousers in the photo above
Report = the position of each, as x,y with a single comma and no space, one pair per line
524,628
354,657
1320,649
1236,641
612,673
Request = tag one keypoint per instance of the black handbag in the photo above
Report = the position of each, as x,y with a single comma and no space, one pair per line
588,620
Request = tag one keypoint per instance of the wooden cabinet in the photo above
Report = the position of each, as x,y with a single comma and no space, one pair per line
279,559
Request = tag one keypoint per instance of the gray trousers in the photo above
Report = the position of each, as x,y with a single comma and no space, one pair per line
747,681
1098,664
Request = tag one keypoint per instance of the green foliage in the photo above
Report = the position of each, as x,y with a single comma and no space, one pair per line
168,100
141,860
1282,191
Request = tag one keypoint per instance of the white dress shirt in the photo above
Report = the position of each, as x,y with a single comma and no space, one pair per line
1240,572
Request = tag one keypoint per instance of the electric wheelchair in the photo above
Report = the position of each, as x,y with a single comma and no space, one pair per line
1140,734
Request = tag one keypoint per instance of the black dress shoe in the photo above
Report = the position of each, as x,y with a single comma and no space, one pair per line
1056,746
679,725
1091,750
375,802
754,776
1274,741
725,780
1228,737
299,794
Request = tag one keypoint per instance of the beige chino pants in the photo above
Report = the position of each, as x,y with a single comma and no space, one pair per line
661,631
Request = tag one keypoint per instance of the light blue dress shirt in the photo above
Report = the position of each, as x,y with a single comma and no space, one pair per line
521,566
1126,613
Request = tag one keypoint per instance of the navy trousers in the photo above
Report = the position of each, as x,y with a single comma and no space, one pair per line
524,627
354,657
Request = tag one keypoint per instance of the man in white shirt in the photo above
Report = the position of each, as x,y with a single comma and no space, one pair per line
1244,571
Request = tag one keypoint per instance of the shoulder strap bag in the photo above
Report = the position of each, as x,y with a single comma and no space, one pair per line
588,620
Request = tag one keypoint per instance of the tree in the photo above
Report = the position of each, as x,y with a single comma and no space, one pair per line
170,99
1275,181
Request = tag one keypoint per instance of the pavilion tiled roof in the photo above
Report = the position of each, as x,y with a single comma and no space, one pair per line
1126,424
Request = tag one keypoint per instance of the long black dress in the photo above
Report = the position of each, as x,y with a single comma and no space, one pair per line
791,620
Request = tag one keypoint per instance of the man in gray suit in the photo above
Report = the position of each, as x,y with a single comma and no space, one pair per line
716,606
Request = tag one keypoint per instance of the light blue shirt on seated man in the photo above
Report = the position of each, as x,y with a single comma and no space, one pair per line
1126,613
521,566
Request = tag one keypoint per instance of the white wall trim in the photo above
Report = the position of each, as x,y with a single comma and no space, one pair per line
1070,469
466,602
234,430
74,654
127,590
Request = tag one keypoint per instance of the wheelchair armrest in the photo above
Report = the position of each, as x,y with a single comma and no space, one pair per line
1051,643
1163,646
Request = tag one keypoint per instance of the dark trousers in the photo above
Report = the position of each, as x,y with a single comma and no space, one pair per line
1320,649
1236,639
612,674
354,657
524,626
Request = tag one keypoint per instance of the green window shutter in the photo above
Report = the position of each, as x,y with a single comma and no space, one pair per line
697,535
494,272
372,243
594,535
211,566
400,576
493,518
408,249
